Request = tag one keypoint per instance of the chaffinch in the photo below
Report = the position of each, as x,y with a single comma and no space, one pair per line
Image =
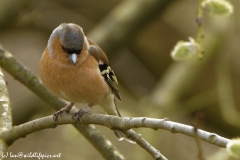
75,68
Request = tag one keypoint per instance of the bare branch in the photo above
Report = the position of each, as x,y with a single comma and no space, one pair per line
128,123
5,111
144,144
47,122
112,122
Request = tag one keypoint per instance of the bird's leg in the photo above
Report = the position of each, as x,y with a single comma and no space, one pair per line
67,109
81,111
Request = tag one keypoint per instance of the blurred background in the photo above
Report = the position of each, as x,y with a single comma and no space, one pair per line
137,36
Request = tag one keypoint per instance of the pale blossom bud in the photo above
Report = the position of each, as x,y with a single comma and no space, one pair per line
233,148
218,7
183,50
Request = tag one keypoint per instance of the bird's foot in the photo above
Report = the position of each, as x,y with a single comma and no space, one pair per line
79,113
60,112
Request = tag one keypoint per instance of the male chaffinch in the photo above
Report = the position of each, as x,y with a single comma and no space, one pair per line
76,69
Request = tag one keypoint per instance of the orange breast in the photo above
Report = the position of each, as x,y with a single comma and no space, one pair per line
82,83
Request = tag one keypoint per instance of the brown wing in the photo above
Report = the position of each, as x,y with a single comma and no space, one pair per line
105,68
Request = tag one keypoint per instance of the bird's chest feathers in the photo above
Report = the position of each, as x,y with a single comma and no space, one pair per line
82,83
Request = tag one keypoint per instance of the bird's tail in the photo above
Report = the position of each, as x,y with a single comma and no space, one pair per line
121,136
110,108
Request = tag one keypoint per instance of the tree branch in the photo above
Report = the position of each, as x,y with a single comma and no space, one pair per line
31,81
144,144
33,126
112,122
125,21
5,111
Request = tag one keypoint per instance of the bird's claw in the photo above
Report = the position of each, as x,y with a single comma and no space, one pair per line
79,113
60,112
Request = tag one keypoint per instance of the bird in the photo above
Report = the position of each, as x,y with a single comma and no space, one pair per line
76,69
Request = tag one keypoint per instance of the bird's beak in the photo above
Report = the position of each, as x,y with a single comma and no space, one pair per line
73,58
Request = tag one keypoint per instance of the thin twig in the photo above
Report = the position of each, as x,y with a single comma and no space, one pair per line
200,34
197,122
144,144
199,144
